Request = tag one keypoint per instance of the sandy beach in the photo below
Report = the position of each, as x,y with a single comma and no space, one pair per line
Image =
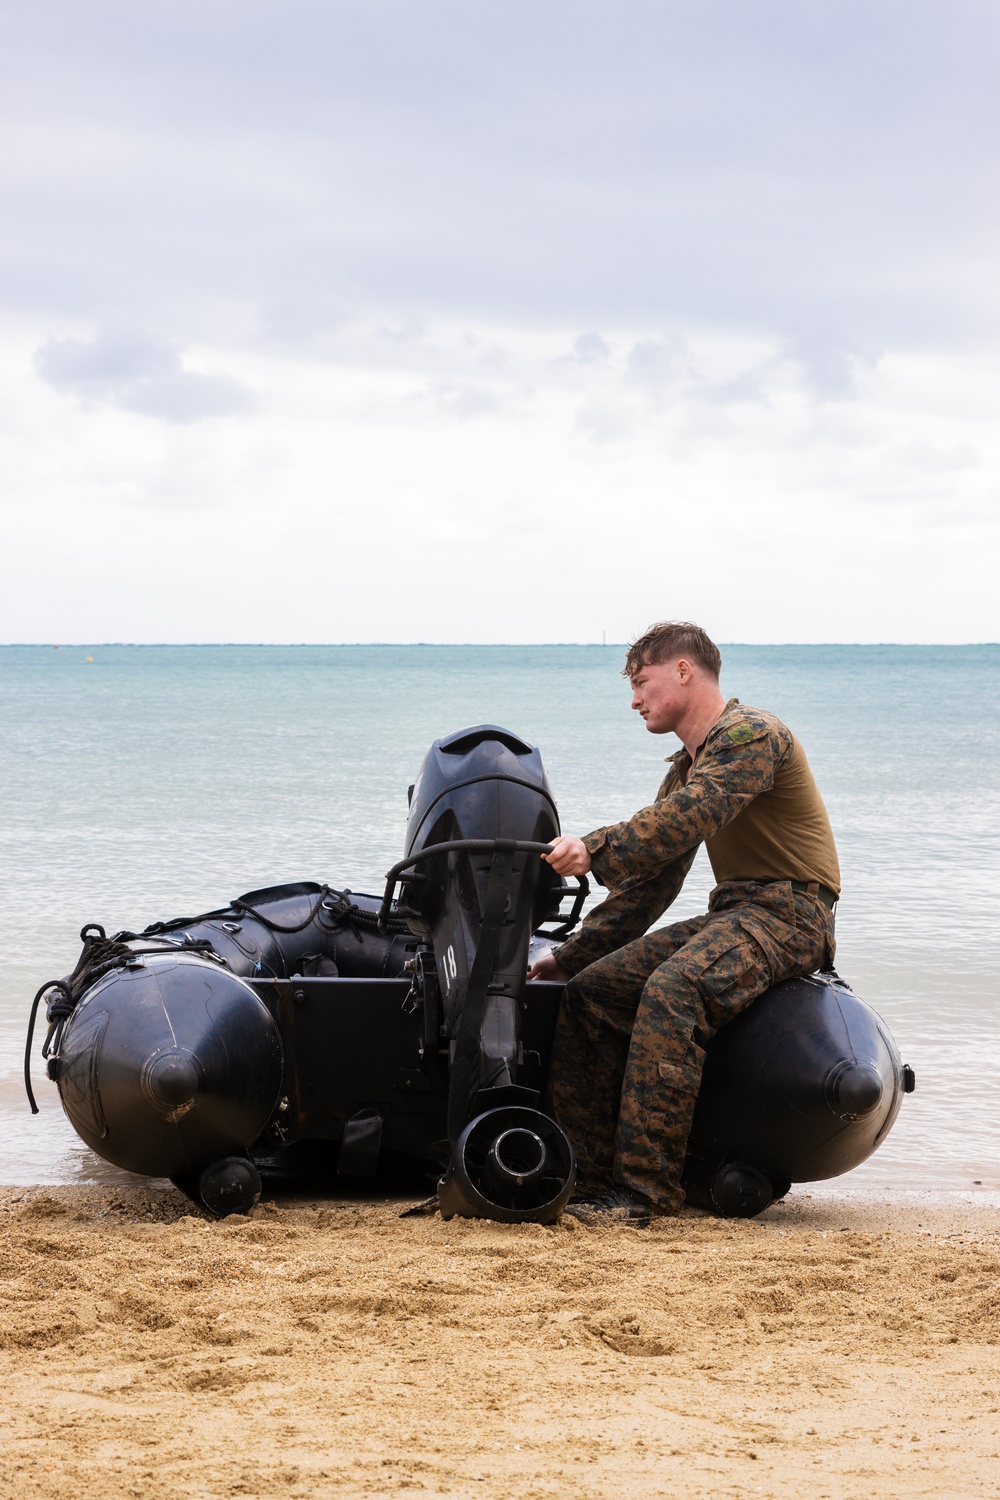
836,1347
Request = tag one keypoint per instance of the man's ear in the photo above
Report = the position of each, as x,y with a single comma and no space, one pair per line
684,669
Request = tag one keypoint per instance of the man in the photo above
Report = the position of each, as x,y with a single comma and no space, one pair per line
638,1011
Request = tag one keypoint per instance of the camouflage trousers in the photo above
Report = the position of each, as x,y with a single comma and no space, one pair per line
630,1039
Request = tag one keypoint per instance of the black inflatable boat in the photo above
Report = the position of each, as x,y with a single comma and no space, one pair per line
402,1030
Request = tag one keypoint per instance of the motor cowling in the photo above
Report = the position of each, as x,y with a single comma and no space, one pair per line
478,784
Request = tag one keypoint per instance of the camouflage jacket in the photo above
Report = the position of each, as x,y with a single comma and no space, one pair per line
644,861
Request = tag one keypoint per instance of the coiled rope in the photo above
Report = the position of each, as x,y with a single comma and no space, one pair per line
100,955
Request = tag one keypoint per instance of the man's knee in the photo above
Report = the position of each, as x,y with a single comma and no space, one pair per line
606,983
719,978
672,1003
619,977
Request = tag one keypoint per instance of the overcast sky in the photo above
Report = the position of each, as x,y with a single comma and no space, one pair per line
499,320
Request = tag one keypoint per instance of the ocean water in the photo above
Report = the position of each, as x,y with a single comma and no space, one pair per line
149,782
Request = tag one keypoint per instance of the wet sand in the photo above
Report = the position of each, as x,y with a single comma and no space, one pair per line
834,1348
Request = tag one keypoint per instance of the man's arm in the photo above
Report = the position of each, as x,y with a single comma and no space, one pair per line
737,764
618,920
623,917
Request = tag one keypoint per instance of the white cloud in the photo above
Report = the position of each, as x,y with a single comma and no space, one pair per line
569,317
205,167
125,366
591,349
653,364
352,507
467,401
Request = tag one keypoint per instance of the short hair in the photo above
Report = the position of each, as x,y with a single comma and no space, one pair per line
668,640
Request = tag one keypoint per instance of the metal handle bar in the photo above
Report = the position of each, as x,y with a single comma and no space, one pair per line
471,846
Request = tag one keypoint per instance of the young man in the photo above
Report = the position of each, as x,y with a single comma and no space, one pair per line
639,1010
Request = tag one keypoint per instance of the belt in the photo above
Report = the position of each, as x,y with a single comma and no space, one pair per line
813,888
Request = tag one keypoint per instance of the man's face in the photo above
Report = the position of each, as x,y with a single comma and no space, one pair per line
658,693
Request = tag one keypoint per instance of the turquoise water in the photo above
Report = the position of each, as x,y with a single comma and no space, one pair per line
156,781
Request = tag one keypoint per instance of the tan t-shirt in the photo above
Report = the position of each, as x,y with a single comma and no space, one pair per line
783,834
750,798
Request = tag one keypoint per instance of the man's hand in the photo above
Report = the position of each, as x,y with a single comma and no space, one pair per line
548,968
568,856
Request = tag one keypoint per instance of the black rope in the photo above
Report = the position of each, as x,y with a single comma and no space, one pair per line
100,955
50,984
346,911
341,910
155,928
97,948
235,908
258,916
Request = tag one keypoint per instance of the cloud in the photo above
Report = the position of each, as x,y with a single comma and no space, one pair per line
604,419
750,385
653,364
301,318
633,269
830,363
312,521
691,165
125,366
467,401
591,349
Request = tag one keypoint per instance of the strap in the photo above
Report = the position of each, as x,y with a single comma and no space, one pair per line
468,1044
813,888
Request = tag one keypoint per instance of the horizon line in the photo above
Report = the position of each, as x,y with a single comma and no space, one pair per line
447,645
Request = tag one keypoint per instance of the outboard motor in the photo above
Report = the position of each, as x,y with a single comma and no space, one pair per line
475,888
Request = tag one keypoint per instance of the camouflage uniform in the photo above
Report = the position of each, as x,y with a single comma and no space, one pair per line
635,1019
